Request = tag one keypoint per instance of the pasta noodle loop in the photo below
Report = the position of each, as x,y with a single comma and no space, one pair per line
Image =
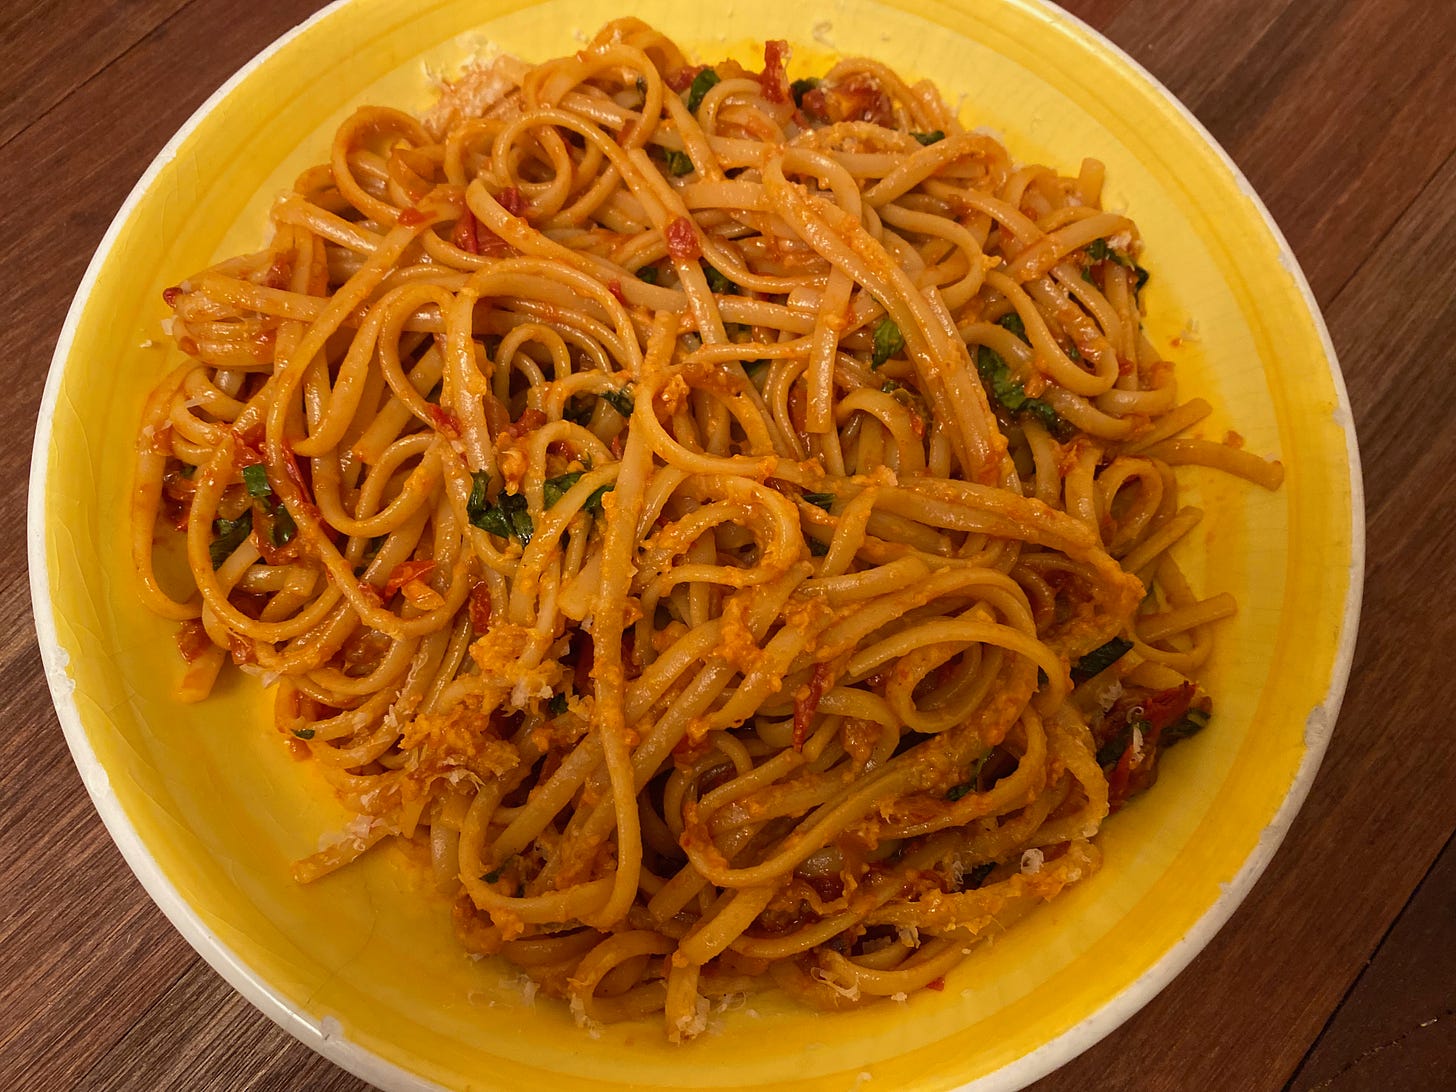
725,528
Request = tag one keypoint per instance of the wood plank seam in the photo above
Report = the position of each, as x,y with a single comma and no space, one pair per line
80,86
1355,271
1355,1063
1355,983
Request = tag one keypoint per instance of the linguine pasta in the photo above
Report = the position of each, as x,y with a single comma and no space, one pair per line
724,522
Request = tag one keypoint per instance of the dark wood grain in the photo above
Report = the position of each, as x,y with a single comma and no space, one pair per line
1331,976
49,48
1396,1026
233,1050
1338,112
84,955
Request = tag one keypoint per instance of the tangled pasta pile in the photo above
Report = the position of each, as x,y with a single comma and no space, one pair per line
725,520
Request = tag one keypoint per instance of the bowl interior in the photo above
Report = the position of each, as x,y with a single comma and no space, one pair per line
211,810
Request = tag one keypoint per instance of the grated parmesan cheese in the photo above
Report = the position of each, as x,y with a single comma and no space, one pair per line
528,991
691,1025
1108,698
851,992
265,678
731,1002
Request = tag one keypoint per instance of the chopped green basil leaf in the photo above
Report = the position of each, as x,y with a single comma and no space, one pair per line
593,503
514,506
647,274
997,376
303,733
959,791
1111,752
820,500
230,535
557,705
1006,389
476,506
799,88
1100,659
1100,250
621,400
506,518
718,282
906,396
981,766
1012,321
282,528
1193,722
702,83
553,489
932,137
255,477
888,341
494,521
679,164
578,410
1043,412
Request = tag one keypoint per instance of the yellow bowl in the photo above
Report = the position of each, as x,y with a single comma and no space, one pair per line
209,810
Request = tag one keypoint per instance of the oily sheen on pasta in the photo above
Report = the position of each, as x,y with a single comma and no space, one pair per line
721,522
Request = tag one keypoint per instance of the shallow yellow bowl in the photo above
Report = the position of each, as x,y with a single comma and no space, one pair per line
209,810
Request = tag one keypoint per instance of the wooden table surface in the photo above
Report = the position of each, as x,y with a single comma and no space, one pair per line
1339,972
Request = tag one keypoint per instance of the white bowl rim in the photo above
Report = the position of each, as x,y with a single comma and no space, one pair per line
367,1065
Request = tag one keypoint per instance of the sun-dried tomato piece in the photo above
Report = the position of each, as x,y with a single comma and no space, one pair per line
403,573
806,702
511,200
682,240
775,78
192,639
445,421
480,607
464,235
